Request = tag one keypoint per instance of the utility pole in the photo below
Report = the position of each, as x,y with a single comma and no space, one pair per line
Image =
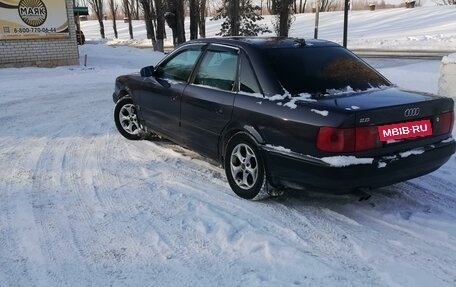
347,4
317,14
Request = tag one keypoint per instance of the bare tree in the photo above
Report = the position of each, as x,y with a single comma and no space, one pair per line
147,6
175,17
194,18
137,10
269,6
180,13
127,11
302,6
113,7
133,5
97,7
234,17
160,24
327,5
202,19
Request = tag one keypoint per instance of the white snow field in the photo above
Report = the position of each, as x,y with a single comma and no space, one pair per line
400,29
82,206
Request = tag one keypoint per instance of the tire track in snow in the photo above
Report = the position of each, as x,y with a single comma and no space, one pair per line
23,236
118,199
408,252
393,217
292,238
368,231
173,185
13,262
163,169
52,217
98,226
328,232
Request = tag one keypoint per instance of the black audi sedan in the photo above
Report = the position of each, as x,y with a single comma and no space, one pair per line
287,113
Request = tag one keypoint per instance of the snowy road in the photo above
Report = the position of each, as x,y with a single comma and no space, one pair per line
82,206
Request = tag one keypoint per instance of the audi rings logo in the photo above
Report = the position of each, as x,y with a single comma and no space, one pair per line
412,112
32,12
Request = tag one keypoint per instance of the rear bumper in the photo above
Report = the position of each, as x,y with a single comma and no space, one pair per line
288,169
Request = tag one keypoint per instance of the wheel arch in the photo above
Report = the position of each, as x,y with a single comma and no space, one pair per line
234,130
124,92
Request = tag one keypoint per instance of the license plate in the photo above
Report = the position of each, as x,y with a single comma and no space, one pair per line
406,130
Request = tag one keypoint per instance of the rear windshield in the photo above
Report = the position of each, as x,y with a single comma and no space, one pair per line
322,70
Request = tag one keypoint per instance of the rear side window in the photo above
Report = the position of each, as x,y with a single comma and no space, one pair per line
180,66
218,69
247,79
317,70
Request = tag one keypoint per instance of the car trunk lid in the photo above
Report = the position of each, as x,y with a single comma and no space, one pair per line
395,119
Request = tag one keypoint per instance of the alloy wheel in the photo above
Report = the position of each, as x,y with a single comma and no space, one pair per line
244,166
128,119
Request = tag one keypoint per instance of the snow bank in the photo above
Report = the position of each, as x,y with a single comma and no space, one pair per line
447,81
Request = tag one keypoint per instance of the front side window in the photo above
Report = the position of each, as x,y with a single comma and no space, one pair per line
180,66
218,69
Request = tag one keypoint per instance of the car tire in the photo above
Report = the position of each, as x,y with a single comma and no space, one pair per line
244,167
126,120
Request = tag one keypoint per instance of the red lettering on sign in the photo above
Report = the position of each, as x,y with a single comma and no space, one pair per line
405,130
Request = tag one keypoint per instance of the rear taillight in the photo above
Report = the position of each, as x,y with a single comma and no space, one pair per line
336,140
444,123
347,140
367,138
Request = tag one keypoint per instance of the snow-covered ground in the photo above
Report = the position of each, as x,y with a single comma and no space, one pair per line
421,28
82,206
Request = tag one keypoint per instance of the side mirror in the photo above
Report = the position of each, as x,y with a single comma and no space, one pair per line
147,71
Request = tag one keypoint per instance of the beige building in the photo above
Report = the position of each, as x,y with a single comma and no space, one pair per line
37,33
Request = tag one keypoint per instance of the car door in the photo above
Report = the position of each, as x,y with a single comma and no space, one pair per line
159,100
207,102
